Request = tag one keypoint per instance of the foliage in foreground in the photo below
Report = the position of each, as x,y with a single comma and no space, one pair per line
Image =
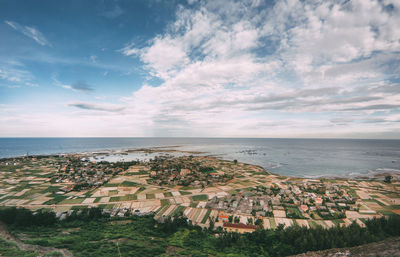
92,234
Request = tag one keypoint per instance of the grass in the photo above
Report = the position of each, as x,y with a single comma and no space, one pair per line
197,198
110,185
72,201
95,239
161,211
374,200
387,210
79,207
51,189
168,194
193,205
130,197
352,192
185,193
140,172
313,224
106,206
164,202
272,222
178,210
294,210
128,184
316,216
56,199
150,196
112,192
337,222
206,216
10,249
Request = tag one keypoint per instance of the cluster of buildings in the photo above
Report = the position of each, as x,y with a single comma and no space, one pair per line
184,171
296,201
80,174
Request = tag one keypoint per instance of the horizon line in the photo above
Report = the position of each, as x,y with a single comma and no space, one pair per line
79,137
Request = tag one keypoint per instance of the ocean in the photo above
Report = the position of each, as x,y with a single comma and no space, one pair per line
291,157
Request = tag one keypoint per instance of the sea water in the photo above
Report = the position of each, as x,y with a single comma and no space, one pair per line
294,157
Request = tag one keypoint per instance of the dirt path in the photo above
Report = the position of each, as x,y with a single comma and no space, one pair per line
5,234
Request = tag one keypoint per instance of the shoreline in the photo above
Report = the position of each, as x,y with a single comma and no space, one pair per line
370,175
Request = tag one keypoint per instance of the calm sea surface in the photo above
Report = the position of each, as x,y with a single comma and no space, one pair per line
297,157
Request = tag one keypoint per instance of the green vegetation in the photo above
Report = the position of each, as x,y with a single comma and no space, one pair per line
128,184
178,211
93,234
72,201
337,222
123,198
206,216
168,194
110,185
56,199
9,249
196,198
140,172
150,196
164,202
388,179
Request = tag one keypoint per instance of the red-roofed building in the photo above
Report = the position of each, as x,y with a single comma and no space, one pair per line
303,208
318,200
223,218
239,227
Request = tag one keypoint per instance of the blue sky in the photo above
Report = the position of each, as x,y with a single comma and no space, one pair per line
200,68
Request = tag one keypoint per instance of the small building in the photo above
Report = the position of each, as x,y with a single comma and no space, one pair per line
184,172
223,218
303,208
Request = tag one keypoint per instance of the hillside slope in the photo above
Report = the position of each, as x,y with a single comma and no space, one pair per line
386,248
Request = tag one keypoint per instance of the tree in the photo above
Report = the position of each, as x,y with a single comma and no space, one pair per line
211,227
388,179
235,161
258,222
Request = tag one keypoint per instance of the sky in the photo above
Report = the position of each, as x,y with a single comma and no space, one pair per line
288,68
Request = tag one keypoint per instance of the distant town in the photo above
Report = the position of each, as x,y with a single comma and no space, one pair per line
208,191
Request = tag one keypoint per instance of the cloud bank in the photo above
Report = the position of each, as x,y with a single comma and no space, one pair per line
229,66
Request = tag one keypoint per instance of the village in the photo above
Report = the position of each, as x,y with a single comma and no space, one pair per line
209,191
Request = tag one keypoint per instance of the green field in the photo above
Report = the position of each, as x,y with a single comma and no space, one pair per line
197,198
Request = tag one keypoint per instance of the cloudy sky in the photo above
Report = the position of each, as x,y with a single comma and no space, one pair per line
200,68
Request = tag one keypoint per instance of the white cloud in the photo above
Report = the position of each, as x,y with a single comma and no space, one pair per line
252,68
29,32
15,75
229,62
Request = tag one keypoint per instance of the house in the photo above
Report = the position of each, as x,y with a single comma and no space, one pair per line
184,172
303,208
239,228
223,218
